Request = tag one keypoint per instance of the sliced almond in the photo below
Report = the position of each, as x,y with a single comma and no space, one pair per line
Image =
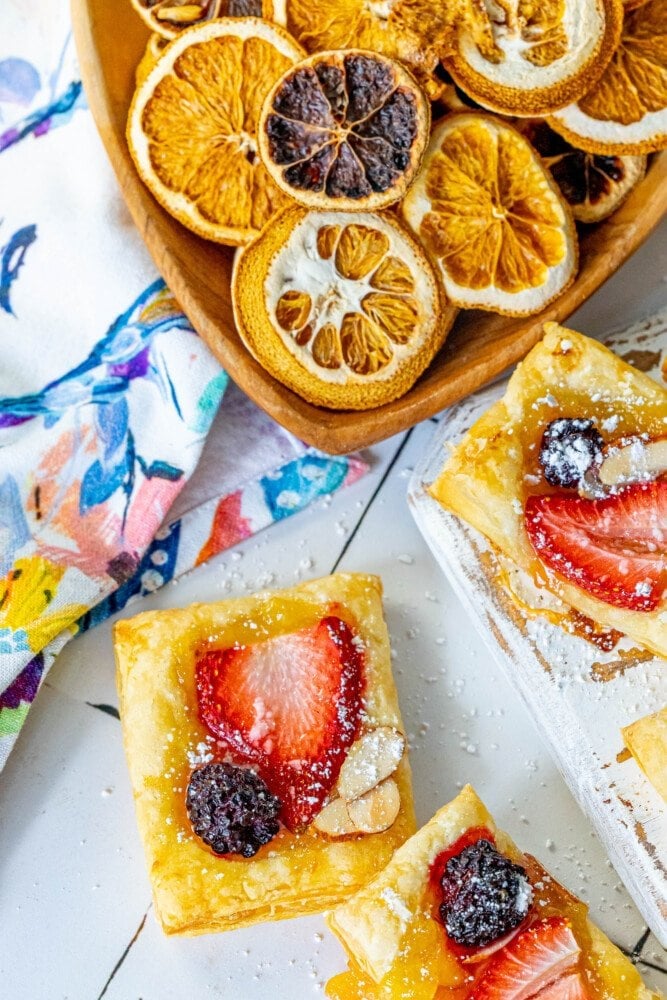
376,810
371,759
636,461
334,820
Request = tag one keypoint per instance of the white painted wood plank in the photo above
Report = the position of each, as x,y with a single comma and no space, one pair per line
71,865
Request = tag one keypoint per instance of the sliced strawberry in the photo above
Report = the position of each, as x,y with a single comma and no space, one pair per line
535,959
570,987
290,705
615,549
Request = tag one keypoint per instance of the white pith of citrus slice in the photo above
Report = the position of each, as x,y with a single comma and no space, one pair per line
490,214
170,17
192,126
527,58
626,110
343,308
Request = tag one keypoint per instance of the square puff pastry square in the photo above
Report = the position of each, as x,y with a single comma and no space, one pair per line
372,925
646,739
195,891
565,375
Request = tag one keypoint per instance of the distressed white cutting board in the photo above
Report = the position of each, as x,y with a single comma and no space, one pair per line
578,695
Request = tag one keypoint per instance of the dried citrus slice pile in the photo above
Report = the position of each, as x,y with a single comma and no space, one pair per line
343,308
192,127
593,185
414,31
487,209
626,111
530,57
169,17
344,130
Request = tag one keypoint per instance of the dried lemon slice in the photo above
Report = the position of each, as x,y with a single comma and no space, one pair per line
489,212
169,17
343,308
192,127
412,31
626,111
593,185
344,130
531,57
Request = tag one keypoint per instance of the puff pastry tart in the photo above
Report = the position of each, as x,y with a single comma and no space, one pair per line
266,751
567,477
459,913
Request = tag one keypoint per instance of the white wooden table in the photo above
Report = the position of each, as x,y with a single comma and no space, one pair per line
75,910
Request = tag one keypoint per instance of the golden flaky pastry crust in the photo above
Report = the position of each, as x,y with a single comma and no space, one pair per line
646,739
196,892
372,924
483,481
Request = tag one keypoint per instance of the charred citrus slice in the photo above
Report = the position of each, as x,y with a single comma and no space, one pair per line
169,17
413,31
593,185
530,57
344,130
488,211
343,308
192,127
626,111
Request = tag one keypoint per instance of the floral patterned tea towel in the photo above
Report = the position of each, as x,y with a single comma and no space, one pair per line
107,396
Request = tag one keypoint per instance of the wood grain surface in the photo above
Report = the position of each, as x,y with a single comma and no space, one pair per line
110,40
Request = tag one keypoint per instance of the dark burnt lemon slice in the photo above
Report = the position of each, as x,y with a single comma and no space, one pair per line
594,185
344,130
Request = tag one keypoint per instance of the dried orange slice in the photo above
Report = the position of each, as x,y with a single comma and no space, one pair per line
192,127
626,111
344,130
155,46
593,185
530,57
489,212
343,308
413,31
169,17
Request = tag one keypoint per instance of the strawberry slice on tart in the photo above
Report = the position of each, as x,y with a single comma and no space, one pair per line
614,548
568,988
537,959
290,705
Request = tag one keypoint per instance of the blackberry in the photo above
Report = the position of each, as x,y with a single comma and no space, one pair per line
486,895
570,446
231,809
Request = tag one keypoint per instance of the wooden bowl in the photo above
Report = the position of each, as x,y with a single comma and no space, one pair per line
110,40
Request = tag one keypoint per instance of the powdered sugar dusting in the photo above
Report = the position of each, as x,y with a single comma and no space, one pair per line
396,906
